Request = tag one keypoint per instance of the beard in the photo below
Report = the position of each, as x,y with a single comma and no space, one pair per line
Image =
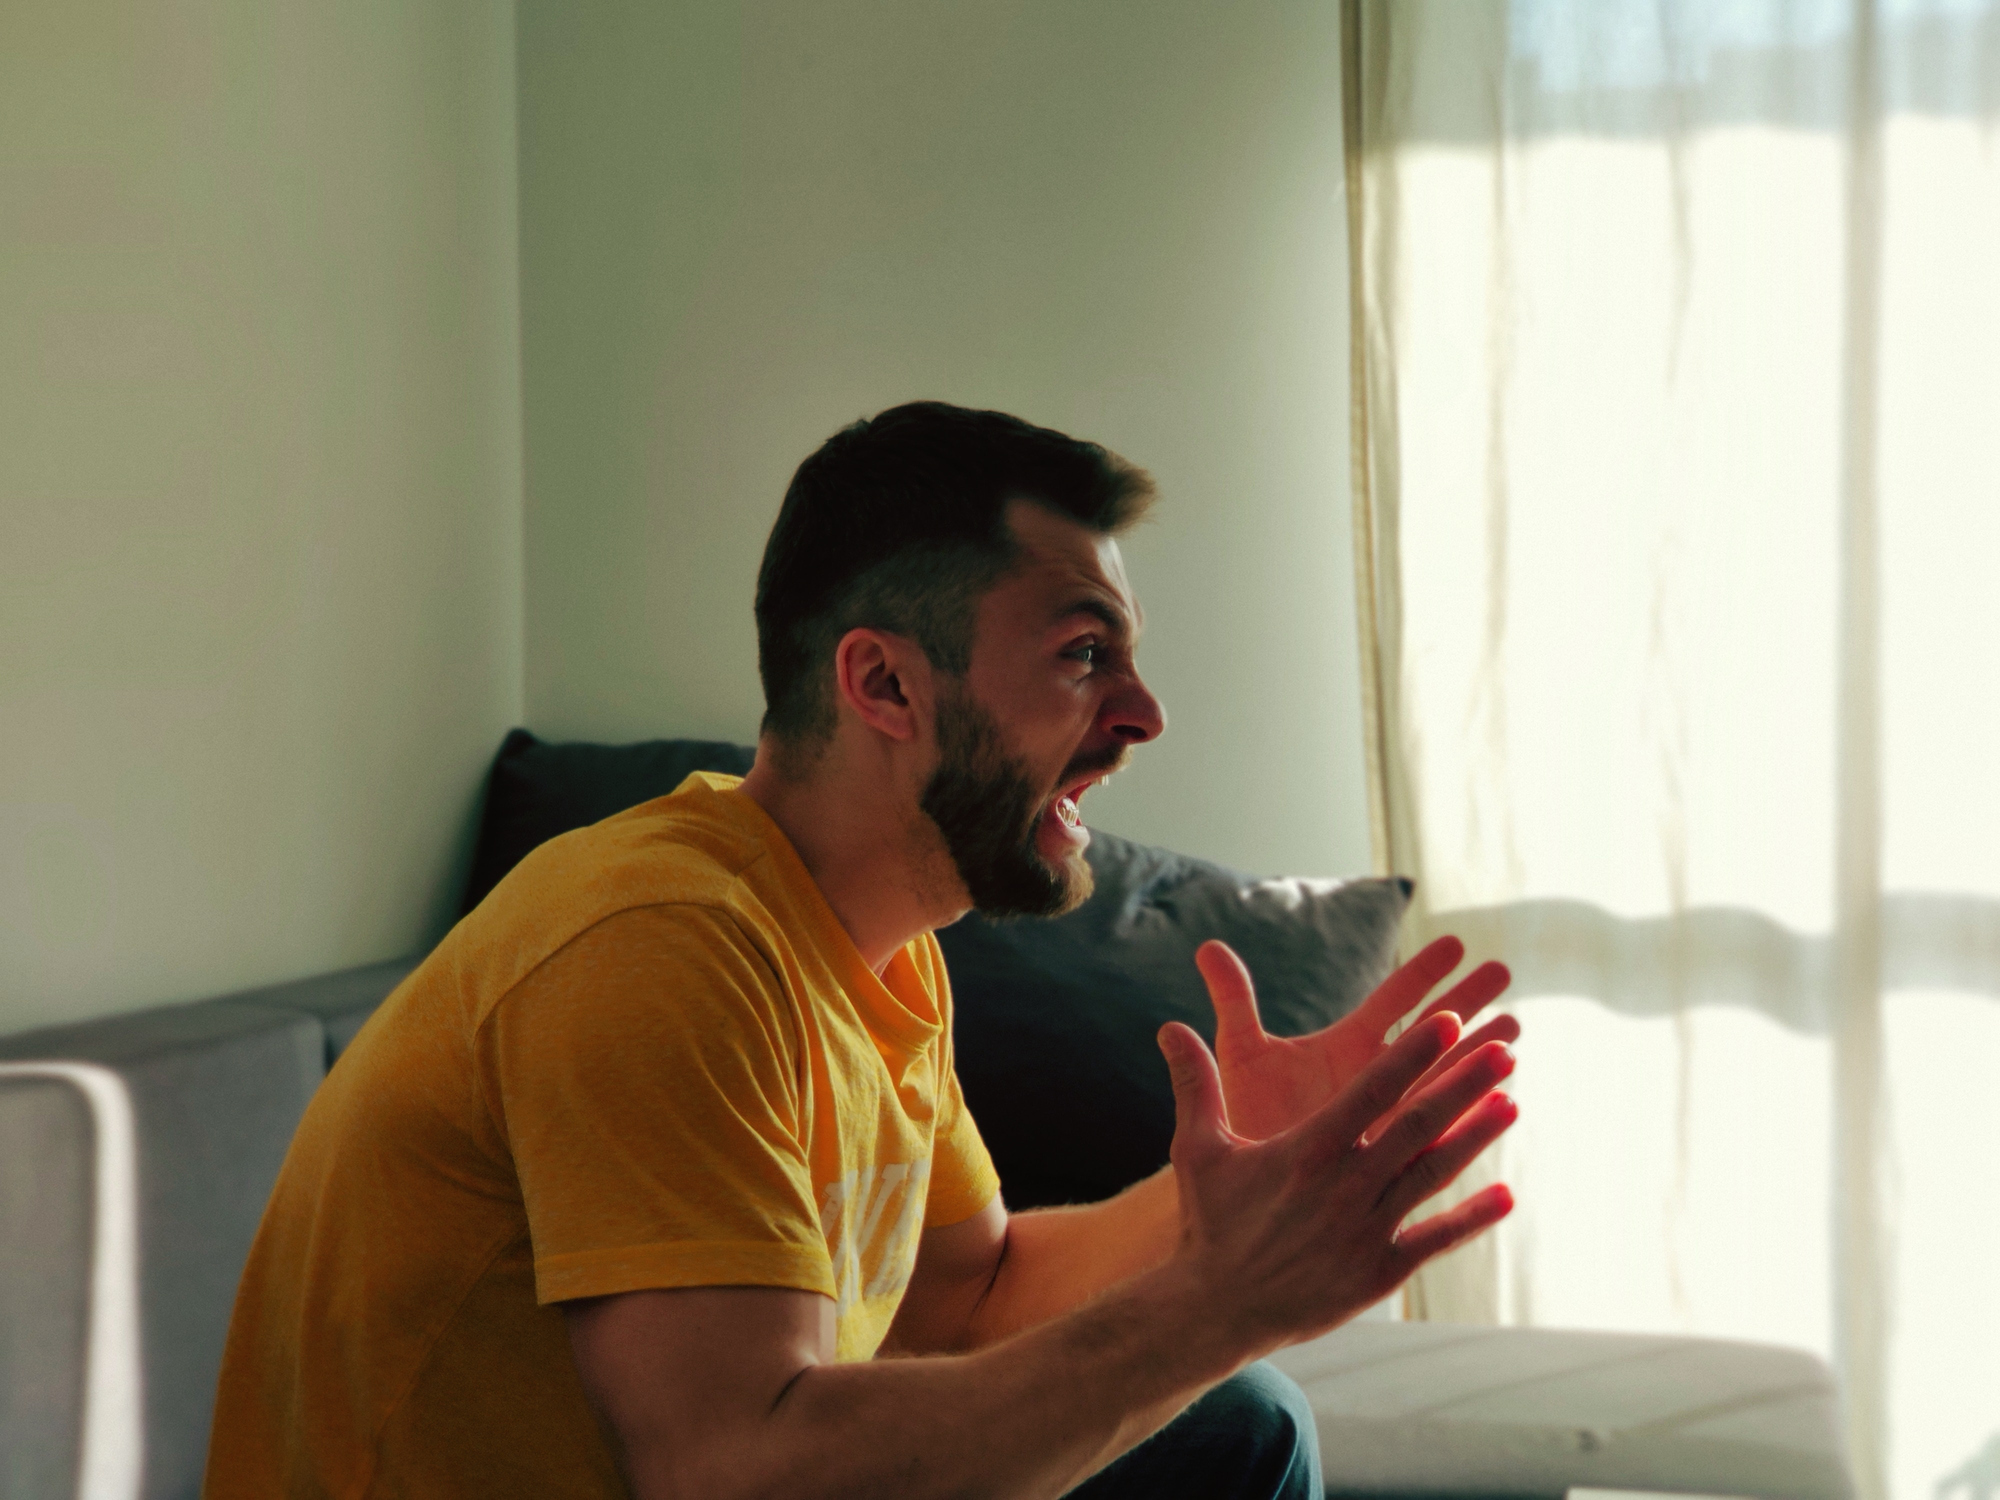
985,804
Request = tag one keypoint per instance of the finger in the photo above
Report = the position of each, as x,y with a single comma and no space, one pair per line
1436,1169
1201,1125
1338,1125
1447,1231
1475,992
1430,1112
1500,1029
1229,991
1399,994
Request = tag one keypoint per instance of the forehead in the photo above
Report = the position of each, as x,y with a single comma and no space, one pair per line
1062,566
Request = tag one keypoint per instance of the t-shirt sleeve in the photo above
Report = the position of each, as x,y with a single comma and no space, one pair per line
647,1079
963,1180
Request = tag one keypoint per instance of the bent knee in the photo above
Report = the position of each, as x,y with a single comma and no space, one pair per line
1262,1409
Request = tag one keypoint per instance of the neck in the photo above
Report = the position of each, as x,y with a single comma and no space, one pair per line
872,854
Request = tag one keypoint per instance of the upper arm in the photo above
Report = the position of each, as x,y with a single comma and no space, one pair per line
682,1378
646,1093
956,1265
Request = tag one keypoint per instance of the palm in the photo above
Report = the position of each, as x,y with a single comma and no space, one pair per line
1271,1083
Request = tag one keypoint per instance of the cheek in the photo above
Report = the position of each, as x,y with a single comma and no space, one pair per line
1046,717
1068,709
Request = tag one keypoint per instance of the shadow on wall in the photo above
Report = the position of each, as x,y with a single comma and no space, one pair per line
1978,1478
1722,955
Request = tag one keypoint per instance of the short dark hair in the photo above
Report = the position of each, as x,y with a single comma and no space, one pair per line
898,523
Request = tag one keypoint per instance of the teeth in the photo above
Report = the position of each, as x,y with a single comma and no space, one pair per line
1066,810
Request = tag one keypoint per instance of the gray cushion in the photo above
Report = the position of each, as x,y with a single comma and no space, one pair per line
216,1090
1056,1020
537,790
1411,1409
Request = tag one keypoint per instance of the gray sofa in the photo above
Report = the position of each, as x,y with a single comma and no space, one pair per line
136,1153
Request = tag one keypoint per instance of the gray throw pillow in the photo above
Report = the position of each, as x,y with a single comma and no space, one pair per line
1056,1019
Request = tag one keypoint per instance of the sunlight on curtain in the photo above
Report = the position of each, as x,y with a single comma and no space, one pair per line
1680,329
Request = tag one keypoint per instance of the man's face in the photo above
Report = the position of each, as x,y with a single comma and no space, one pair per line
1051,704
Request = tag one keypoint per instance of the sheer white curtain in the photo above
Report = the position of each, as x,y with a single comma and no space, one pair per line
1678,463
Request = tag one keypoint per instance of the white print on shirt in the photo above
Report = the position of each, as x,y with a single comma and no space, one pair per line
873,1250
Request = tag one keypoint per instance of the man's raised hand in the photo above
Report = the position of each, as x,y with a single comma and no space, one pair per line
1272,1083
1292,1235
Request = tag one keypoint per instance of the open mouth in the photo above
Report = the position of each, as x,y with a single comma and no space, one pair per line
1065,803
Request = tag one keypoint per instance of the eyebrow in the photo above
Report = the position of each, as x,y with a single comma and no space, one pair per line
1098,608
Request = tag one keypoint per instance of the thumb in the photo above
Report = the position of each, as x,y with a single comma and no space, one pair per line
1201,1124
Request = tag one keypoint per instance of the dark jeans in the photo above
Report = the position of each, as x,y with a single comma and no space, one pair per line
1251,1438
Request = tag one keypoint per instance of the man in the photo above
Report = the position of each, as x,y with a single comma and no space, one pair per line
656,1175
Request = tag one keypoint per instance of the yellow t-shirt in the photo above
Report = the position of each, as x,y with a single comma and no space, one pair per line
651,1058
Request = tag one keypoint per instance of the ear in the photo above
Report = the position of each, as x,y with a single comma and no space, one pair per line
884,680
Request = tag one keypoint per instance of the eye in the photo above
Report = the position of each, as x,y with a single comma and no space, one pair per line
1090,653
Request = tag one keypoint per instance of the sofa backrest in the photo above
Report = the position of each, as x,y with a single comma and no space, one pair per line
136,1155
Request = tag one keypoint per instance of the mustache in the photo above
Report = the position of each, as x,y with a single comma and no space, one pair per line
1105,763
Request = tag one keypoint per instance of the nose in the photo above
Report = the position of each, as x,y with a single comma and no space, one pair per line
1134,714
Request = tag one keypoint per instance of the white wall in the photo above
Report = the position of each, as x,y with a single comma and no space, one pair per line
261,422
259,485
745,226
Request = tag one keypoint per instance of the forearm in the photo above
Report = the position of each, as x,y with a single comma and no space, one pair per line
1026,1417
734,1392
1057,1259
